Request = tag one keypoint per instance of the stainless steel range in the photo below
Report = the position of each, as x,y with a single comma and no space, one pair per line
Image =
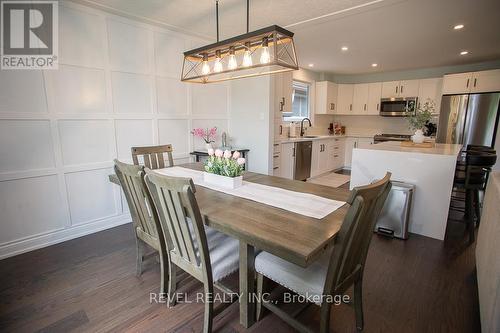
391,137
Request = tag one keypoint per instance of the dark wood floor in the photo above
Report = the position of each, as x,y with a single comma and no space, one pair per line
89,285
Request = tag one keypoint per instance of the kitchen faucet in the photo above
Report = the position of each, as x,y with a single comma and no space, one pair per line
302,126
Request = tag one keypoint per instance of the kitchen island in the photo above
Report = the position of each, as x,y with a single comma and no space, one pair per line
431,170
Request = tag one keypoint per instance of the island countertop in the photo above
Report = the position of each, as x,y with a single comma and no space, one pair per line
438,149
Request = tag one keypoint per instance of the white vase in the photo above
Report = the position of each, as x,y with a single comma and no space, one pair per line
208,146
223,181
418,137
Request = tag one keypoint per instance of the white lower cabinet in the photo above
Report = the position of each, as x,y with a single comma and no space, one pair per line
350,144
287,160
327,155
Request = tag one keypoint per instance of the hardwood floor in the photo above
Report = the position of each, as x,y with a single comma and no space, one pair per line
89,285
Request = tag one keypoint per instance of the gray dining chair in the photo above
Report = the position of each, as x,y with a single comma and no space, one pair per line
147,227
202,252
337,270
153,157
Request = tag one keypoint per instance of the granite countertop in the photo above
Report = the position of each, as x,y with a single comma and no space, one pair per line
438,149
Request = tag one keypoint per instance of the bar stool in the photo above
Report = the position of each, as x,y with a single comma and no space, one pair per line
473,180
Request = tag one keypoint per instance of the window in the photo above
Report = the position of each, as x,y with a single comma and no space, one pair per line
300,102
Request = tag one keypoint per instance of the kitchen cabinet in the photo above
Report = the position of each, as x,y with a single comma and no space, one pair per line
430,89
319,157
360,98
486,81
277,159
326,97
374,95
345,99
472,82
406,88
283,89
350,144
337,153
287,164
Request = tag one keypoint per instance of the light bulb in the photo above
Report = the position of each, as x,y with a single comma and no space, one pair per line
205,69
265,57
232,64
218,64
247,56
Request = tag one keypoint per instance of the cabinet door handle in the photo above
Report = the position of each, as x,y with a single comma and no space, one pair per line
377,106
281,129
396,89
281,106
333,106
283,100
293,152
401,90
467,85
475,81
350,107
276,168
365,107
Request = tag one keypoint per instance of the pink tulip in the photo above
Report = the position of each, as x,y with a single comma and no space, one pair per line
211,152
236,155
227,154
219,153
240,161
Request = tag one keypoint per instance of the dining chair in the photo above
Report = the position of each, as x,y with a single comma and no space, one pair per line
334,272
153,156
200,251
147,227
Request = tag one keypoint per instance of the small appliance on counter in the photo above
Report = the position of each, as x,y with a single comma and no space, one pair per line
294,130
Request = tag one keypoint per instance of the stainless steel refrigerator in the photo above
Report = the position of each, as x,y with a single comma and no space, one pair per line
469,119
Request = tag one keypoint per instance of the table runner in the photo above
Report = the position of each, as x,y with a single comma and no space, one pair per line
297,202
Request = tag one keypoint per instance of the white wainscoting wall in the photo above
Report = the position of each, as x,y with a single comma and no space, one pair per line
117,86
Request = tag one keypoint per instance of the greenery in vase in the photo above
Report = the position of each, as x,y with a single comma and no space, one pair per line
422,115
224,163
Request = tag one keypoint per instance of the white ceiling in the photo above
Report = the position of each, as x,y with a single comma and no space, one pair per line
395,34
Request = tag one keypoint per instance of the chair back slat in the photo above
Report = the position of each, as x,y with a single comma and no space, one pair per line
153,156
179,213
137,197
353,239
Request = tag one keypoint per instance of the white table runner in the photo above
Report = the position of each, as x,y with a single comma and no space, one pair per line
297,202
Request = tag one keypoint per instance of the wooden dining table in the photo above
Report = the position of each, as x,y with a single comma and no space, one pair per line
297,238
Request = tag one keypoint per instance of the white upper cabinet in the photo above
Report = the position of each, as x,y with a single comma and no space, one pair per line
430,89
283,90
374,95
486,81
326,97
360,98
463,83
407,88
390,89
457,83
345,99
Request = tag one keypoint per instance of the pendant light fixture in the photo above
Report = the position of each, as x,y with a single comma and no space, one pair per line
264,51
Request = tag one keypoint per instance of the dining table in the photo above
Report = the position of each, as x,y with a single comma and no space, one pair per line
291,236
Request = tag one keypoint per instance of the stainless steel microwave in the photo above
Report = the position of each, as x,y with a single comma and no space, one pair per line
397,107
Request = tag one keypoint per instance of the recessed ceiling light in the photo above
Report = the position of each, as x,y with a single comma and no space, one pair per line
374,65
344,48
464,52
311,65
458,27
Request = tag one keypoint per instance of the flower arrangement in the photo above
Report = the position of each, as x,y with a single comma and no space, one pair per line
224,163
422,115
208,135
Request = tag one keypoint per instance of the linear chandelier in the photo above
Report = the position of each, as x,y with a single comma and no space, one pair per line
264,51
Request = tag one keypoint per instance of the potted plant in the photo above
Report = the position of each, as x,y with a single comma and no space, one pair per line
418,119
208,135
224,169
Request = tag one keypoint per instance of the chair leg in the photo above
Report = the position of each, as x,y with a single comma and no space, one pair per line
163,274
209,309
324,321
172,284
358,303
140,254
259,308
470,216
477,206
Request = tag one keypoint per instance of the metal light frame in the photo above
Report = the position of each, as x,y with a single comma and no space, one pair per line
282,55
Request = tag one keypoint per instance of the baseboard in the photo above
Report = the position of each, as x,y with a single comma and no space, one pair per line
37,242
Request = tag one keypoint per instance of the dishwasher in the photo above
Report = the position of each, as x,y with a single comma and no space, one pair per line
302,152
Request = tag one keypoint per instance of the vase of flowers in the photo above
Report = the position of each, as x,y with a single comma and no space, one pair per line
419,118
208,135
224,168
